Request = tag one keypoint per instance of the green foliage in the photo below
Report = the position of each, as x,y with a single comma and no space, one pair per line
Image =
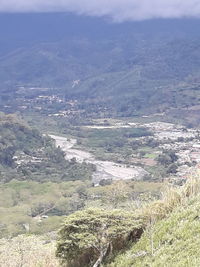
16,135
112,144
170,242
23,203
88,235
117,193
172,168
27,155
167,158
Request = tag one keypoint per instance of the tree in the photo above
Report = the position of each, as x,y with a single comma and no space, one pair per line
172,168
167,158
117,193
88,236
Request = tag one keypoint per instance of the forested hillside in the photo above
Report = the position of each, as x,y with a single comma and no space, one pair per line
27,155
128,69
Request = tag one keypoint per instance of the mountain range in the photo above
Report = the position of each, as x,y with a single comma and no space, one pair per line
133,66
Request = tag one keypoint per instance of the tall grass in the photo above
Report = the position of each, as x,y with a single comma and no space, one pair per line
172,197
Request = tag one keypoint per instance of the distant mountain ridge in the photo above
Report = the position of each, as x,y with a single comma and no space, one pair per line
128,65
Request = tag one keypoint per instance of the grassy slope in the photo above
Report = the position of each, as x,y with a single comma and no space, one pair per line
170,242
171,236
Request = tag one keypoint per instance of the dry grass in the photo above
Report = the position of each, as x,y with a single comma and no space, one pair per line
172,197
27,251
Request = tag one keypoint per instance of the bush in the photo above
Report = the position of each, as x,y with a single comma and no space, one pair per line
88,236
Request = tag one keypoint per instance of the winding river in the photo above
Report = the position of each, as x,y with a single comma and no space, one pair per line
104,169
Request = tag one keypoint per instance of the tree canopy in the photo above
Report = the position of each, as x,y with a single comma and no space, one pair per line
88,236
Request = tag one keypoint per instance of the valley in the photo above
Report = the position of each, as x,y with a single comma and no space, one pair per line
105,170
100,138
156,150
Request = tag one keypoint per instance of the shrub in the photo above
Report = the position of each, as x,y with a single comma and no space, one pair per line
88,236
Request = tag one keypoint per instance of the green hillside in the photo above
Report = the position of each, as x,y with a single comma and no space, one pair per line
171,237
36,180
111,91
170,242
161,233
27,155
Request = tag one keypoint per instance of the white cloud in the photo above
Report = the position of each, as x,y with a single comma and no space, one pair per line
119,10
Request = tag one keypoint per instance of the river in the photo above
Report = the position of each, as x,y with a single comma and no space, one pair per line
104,169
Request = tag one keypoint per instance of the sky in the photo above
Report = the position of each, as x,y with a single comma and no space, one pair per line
118,10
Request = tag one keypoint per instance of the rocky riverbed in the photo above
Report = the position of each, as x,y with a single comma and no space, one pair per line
104,169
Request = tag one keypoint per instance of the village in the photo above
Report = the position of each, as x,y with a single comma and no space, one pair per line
184,142
42,100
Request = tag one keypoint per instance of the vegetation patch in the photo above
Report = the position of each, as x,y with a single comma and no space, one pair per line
170,242
88,237
25,154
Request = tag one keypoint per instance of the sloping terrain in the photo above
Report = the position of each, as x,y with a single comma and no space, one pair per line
128,68
173,241
27,155
35,178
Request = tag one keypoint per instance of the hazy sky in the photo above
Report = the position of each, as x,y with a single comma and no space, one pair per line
119,10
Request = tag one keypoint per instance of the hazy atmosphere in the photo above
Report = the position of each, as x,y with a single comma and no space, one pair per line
118,10
99,133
